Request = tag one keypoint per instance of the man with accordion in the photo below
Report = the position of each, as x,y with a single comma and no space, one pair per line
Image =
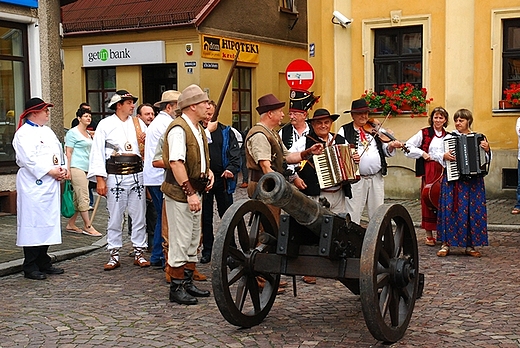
462,215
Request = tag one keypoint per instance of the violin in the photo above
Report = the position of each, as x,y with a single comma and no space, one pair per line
373,126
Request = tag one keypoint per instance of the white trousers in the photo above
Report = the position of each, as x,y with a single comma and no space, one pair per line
126,193
370,190
336,200
183,232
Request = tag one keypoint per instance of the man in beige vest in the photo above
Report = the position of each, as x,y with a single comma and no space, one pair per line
186,157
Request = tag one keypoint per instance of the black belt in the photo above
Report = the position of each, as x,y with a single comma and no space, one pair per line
255,175
124,164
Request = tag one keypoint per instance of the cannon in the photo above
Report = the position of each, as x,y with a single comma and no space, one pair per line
379,263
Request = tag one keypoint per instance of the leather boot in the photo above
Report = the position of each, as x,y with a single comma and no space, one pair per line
178,293
190,287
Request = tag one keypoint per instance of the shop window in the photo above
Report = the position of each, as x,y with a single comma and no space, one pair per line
510,53
242,98
398,57
101,85
14,74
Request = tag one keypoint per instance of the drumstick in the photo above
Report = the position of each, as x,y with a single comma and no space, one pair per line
95,209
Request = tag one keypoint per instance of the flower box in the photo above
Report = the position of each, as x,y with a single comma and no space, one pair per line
402,98
504,104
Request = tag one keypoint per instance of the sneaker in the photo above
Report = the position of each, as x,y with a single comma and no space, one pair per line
139,259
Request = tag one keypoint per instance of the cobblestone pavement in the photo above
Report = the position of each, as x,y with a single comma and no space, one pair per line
467,302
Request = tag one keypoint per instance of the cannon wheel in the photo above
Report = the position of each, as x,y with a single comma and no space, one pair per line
238,295
389,273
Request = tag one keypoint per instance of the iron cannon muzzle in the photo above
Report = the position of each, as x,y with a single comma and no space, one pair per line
273,189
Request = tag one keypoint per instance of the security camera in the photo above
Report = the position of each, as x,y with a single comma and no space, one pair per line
341,19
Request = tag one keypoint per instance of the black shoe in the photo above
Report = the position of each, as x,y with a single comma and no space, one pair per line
157,265
36,275
54,270
205,259
194,291
178,293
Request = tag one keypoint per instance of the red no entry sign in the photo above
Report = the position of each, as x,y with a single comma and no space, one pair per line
299,74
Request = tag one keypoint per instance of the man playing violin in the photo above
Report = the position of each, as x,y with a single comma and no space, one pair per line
371,156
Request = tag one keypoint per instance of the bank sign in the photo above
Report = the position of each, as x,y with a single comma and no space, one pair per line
225,48
26,3
130,53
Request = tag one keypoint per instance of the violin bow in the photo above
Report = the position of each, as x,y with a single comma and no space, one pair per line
225,87
365,147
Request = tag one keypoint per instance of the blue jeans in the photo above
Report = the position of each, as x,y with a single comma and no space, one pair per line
157,199
518,188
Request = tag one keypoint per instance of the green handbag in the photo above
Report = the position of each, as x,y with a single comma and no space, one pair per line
67,200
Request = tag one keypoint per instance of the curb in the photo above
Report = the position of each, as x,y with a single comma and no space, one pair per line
15,266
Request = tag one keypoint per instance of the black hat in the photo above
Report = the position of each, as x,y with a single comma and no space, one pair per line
322,113
359,105
268,102
119,96
35,104
301,100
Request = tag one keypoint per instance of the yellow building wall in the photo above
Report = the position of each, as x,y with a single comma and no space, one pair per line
268,76
462,69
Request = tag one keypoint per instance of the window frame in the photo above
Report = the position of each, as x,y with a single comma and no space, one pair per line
106,93
239,90
399,59
9,166
369,26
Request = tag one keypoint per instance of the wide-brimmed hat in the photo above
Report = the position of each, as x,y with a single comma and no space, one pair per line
34,104
301,100
268,102
119,96
322,113
359,105
169,96
191,95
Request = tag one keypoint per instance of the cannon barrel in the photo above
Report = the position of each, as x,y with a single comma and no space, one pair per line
273,189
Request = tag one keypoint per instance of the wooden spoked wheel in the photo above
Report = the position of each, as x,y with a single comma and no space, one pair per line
243,296
389,273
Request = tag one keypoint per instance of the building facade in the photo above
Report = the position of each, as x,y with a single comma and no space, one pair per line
30,66
170,45
464,52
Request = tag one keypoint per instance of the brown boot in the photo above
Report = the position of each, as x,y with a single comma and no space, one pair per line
199,276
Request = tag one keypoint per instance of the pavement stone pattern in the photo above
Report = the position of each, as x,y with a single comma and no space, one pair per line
467,302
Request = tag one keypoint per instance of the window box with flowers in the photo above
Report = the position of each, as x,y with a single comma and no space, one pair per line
512,97
404,98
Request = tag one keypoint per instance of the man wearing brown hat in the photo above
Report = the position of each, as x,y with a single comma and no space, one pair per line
370,190
186,157
306,179
116,165
265,151
39,154
154,177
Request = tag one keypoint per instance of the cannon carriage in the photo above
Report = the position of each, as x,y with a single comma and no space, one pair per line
379,263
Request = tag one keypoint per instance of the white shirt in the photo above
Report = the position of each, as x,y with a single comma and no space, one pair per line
112,136
154,176
518,134
295,135
370,161
436,149
177,143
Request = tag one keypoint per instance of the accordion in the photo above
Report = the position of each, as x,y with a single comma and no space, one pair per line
336,165
470,160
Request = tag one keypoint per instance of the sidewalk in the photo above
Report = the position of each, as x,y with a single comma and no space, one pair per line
11,256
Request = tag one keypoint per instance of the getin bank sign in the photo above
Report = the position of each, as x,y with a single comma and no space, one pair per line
130,53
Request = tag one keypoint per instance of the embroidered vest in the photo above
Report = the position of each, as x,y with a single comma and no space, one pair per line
427,137
352,137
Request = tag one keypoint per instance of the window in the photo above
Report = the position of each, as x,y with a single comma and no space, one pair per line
101,85
398,57
511,53
242,98
14,75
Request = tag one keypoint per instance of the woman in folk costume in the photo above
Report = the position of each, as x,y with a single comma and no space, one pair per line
40,157
462,216
427,147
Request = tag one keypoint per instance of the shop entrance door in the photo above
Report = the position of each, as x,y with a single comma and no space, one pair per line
158,78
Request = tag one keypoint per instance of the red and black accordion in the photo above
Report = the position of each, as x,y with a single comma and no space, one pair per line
471,160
